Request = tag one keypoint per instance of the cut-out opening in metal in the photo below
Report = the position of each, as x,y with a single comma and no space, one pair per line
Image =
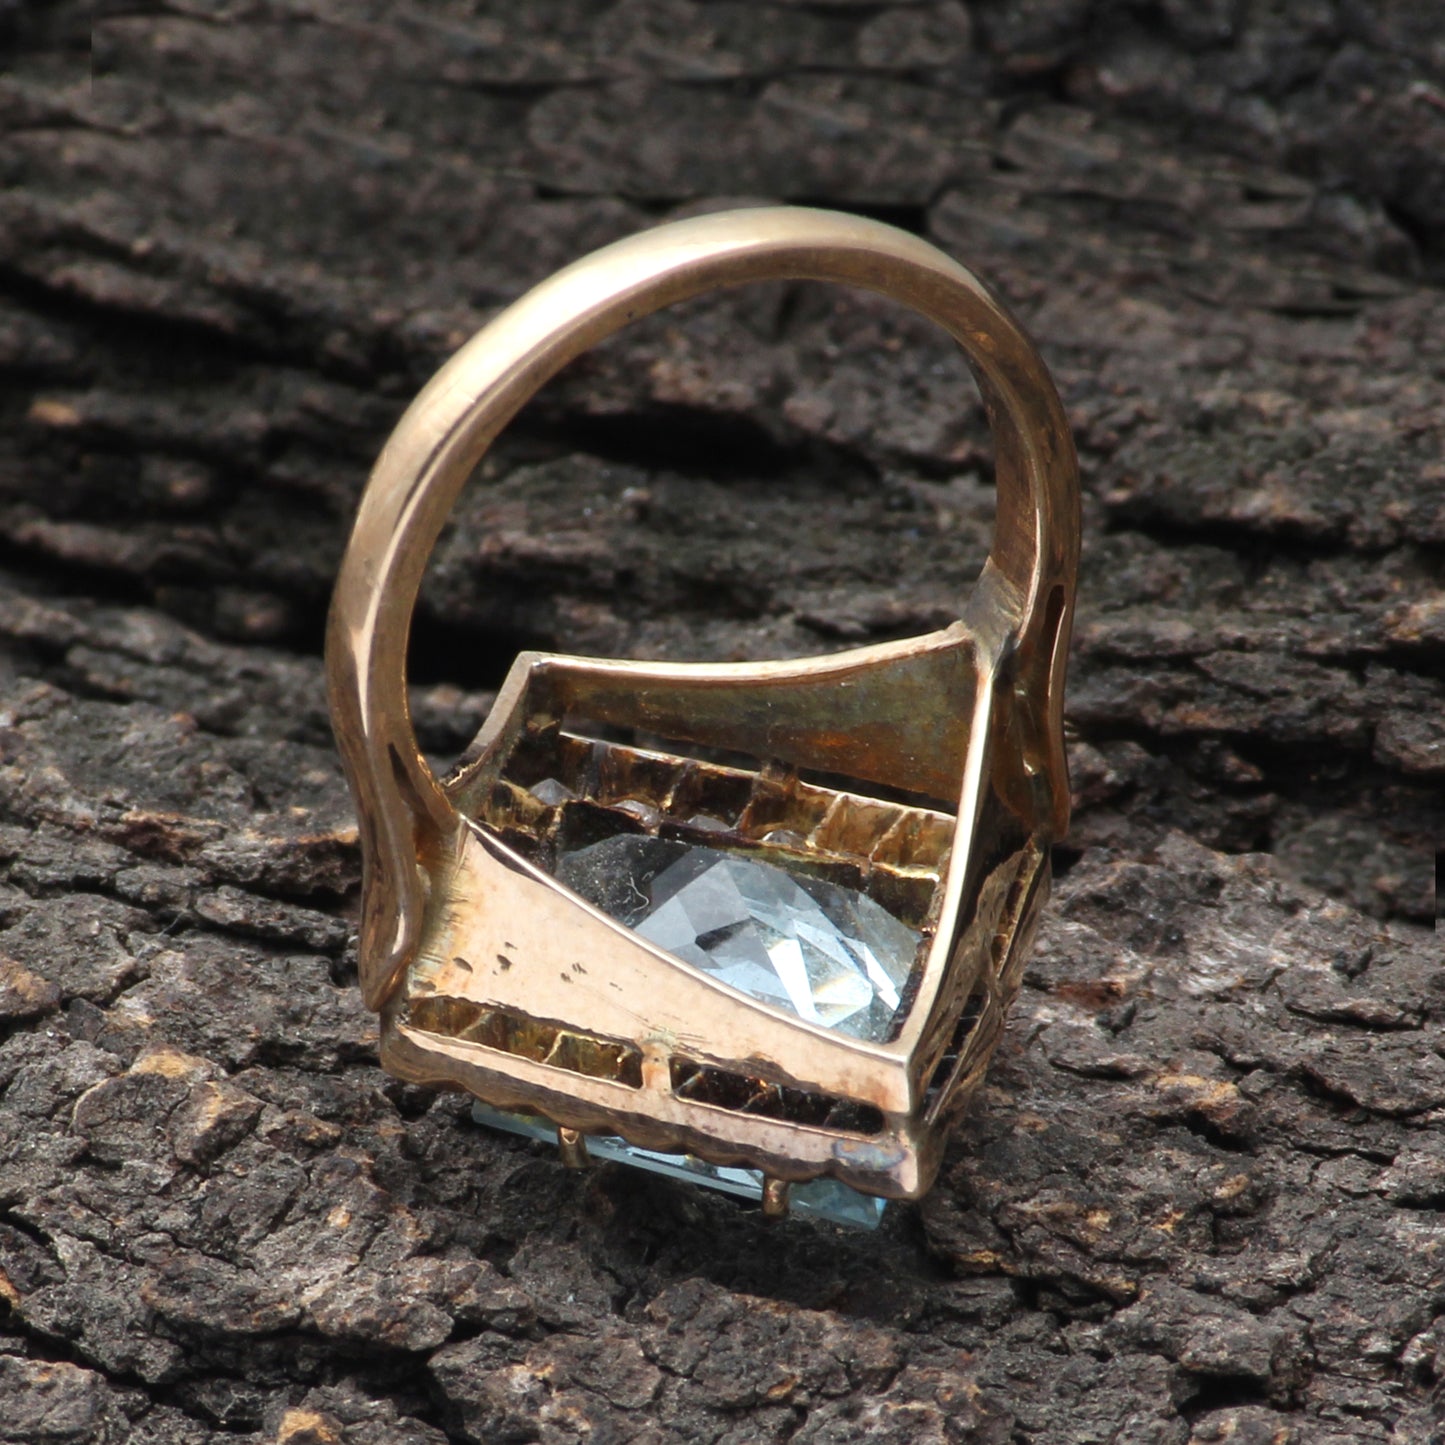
940,1078
739,1094
559,792
512,1032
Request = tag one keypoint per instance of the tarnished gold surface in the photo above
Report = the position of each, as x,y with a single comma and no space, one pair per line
491,976
775,1198
572,1147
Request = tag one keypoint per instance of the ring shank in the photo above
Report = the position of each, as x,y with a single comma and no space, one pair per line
452,422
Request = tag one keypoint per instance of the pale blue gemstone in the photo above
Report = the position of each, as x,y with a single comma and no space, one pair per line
820,1198
805,946
828,954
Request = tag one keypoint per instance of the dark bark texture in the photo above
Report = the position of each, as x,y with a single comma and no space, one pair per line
1203,1195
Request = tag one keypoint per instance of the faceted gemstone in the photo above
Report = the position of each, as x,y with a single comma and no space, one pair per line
822,1198
826,953
551,792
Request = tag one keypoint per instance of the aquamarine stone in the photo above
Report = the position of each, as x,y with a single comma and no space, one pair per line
828,954
818,1198
812,948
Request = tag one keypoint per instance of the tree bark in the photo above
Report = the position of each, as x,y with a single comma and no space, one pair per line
1200,1199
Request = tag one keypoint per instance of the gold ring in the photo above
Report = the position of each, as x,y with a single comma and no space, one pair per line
798,964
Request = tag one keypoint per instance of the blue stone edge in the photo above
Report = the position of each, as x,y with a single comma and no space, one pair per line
818,1198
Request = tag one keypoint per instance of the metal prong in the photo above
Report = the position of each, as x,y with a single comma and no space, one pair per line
775,1198
572,1146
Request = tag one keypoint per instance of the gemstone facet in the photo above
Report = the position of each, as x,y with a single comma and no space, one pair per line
829,954
821,1198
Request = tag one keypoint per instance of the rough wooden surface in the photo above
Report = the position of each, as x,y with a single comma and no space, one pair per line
1202,1197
